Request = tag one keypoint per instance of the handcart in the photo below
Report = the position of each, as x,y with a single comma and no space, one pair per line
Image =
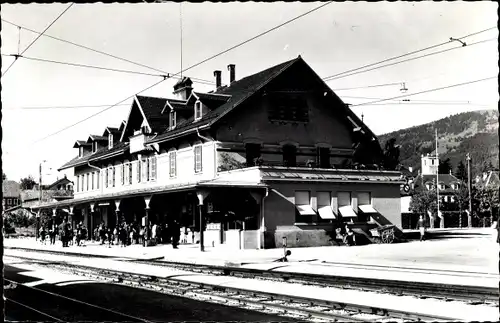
383,234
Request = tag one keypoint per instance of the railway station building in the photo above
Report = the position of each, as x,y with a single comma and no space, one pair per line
268,156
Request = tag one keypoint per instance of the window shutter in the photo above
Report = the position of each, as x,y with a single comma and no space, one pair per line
122,173
153,168
344,198
78,183
144,169
98,178
198,159
114,175
302,198
130,173
148,171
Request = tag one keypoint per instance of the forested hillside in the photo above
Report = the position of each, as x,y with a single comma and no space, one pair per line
475,132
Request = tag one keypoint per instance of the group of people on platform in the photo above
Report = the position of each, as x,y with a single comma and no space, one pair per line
124,234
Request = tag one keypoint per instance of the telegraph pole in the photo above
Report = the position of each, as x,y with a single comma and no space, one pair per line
469,184
441,222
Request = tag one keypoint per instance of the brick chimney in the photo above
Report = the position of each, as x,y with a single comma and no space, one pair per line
217,75
232,73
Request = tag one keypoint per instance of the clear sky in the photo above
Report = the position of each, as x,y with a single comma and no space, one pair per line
339,37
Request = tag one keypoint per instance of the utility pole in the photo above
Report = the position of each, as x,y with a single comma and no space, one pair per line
441,222
39,201
469,184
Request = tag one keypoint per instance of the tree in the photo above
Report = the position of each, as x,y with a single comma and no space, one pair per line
27,183
461,172
444,166
391,154
486,202
4,177
461,199
422,202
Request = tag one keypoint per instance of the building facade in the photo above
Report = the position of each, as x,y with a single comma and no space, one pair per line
266,157
11,194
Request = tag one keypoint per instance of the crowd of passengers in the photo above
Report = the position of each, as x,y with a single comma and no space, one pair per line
123,235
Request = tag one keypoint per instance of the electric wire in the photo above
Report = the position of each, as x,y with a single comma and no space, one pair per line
425,91
100,52
407,54
197,64
411,59
368,86
65,107
259,35
40,35
97,113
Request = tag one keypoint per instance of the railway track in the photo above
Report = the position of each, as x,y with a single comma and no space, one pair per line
469,294
291,307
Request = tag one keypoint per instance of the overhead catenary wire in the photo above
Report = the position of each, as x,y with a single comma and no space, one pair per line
197,64
425,91
411,59
368,86
65,107
408,54
99,52
259,35
40,35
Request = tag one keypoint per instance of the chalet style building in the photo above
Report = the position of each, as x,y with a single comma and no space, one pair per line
11,194
268,156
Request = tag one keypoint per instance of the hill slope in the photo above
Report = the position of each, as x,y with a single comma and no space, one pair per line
475,132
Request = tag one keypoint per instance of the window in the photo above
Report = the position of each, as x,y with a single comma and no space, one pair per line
197,159
106,182
291,108
138,171
148,169
130,173
123,173
92,180
172,162
88,177
365,205
324,200
80,152
323,157
344,203
252,152
110,141
172,119
452,198
144,169
114,173
152,166
98,178
83,182
304,211
78,183
94,147
197,110
289,156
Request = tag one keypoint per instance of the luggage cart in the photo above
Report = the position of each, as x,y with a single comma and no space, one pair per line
383,234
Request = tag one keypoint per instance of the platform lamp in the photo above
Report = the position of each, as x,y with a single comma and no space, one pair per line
37,224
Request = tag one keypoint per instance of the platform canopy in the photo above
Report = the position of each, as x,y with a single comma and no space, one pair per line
305,210
347,212
326,212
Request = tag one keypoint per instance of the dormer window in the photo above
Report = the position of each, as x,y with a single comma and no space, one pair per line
80,151
94,147
172,119
197,110
110,141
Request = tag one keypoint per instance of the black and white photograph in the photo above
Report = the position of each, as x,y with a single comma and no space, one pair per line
250,161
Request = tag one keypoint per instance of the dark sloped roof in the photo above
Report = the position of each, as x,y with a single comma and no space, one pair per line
152,108
97,138
238,91
59,181
446,179
10,189
112,130
78,161
79,143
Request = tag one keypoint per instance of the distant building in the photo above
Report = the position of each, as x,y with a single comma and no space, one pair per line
61,189
11,194
489,179
447,184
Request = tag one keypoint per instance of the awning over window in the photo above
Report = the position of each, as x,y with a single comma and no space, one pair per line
347,212
326,213
305,210
367,209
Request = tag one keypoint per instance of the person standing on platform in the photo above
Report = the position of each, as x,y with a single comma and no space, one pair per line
176,234
421,227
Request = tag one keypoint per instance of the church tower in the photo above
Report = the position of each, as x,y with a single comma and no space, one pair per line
430,164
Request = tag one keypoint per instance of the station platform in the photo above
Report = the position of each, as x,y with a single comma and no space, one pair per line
472,253
449,310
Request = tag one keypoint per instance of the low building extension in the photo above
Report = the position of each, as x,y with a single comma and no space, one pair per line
269,156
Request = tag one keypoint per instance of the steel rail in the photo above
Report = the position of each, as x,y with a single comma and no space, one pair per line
472,294
8,299
157,283
77,301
